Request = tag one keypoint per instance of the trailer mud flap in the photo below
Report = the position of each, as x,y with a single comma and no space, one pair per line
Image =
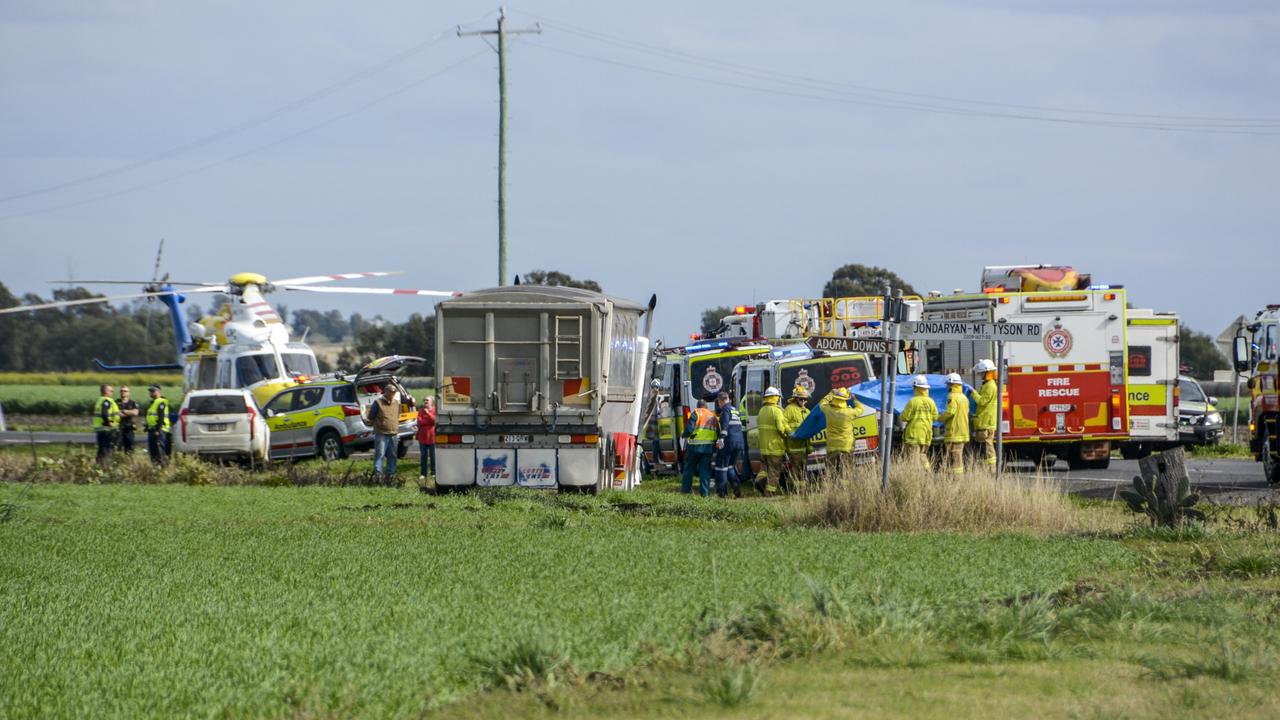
455,465
536,467
579,466
495,467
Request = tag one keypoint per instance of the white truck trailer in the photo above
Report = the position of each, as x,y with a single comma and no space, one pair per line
540,387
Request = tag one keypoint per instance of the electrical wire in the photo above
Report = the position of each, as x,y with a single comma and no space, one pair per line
908,106
251,151
253,122
1199,121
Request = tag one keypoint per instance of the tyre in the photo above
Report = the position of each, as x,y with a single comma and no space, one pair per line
402,449
329,446
1134,451
1270,468
1075,460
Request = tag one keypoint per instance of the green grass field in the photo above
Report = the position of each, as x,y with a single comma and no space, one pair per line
127,601
67,400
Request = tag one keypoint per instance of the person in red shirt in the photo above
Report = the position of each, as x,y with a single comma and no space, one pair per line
427,437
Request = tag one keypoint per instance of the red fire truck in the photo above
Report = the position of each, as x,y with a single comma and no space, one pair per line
1066,396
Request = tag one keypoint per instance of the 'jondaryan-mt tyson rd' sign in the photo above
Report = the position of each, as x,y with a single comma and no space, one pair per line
966,330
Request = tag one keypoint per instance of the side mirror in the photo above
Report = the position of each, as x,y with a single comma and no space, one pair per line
1213,400
270,413
1241,357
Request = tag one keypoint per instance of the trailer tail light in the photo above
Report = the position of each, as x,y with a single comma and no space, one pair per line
351,411
1177,394
1004,301
253,420
1115,410
586,439
182,420
454,439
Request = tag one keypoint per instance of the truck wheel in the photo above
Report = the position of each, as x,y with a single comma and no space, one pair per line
1134,451
1075,460
329,446
1270,468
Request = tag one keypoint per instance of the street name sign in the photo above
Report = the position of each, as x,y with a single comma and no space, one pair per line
970,330
871,346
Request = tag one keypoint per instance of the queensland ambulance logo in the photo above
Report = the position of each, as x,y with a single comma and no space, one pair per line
803,380
495,469
1057,342
712,381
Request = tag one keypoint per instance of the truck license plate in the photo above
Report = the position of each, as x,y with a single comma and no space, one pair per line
1059,408
515,439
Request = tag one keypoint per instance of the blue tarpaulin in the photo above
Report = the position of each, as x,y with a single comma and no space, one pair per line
868,393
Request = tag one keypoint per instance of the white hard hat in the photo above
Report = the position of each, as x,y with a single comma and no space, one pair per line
954,379
985,365
921,382
772,392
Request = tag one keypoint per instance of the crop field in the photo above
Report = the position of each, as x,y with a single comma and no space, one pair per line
67,400
132,599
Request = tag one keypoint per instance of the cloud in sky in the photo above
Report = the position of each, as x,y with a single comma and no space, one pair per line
646,170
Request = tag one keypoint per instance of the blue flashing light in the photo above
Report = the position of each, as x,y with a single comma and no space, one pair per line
710,345
791,351
1099,287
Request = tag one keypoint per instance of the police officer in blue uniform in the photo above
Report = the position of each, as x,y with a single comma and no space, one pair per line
731,447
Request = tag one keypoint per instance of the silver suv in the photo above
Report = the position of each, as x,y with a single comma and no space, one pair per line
325,416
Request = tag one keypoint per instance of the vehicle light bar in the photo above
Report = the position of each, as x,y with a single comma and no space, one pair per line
709,345
1056,298
791,351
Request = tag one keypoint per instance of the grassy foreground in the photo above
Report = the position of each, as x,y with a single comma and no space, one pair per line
129,600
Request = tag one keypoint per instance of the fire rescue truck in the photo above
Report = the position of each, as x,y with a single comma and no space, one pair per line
1153,383
1066,396
1259,354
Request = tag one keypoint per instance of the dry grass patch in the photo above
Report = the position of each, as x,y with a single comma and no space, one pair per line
921,499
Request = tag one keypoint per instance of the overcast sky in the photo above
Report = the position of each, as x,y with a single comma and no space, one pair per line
711,152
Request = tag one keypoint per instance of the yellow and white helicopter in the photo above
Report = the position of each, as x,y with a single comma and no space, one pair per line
243,344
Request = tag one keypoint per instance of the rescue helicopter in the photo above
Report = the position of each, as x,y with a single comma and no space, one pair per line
244,343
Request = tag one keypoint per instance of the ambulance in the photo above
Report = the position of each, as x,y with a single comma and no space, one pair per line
794,366
1153,383
1066,396
1259,355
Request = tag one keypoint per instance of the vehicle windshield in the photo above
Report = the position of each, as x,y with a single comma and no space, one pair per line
252,369
820,376
216,404
1190,392
296,363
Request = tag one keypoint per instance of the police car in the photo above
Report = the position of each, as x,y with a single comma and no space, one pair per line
325,416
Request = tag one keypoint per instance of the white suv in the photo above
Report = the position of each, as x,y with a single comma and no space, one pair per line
222,423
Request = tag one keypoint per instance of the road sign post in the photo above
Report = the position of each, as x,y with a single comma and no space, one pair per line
995,332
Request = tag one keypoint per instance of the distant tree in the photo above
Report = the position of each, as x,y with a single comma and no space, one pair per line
557,278
712,317
854,280
416,336
1199,355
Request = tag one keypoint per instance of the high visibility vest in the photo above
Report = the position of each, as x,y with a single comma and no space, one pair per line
704,427
158,415
111,410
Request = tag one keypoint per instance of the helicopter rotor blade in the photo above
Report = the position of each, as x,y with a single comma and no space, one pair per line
155,273
370,291
312,279
132,282
85,301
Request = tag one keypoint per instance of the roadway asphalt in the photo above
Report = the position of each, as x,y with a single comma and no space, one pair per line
1227,481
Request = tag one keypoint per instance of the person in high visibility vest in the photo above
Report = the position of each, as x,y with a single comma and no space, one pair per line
157,424
106,422
986,404
700,435
955,421
918,418
773,430
840,417
797,450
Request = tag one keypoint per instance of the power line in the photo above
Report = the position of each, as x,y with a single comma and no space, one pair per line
239,127
252,151
827,85
913,107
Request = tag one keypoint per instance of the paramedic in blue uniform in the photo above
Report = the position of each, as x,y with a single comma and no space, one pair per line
731,447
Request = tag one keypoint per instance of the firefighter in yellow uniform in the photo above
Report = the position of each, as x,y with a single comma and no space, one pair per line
797,450
986,405
955,421
773,430
106,422
840,417
918,417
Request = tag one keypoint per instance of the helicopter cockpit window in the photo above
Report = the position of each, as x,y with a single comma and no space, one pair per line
256,368
299,364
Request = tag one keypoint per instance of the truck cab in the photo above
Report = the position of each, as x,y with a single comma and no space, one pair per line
1258,354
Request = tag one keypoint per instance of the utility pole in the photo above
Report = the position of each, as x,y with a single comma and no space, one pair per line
502,32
